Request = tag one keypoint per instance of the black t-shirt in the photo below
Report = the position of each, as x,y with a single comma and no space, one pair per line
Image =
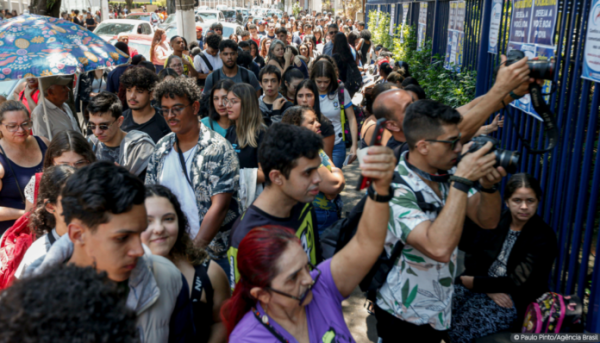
302,219
156,127
248,156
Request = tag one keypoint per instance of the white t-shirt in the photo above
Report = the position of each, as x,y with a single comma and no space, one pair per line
330,108
201,67
173,178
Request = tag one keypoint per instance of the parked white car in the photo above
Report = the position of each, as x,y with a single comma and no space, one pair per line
211,16
112,27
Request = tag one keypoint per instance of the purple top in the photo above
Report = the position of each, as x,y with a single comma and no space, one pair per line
324,313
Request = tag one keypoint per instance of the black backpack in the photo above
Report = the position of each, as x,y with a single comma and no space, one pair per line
205,98
335,237
354,79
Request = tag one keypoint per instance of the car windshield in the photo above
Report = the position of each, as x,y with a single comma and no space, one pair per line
227,31
142,49
207,15
229,14
171,32
6,87
139,17
170,19
113,28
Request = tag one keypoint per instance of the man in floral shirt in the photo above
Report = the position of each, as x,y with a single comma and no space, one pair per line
199,166
415,300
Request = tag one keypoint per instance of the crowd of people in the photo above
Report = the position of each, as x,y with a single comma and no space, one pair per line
190,203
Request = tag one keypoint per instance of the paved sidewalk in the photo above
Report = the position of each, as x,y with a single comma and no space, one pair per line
360,323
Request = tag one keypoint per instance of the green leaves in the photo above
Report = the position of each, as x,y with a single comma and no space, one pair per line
413,258
448,87
446,282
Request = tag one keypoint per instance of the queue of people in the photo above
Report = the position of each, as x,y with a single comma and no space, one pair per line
203,181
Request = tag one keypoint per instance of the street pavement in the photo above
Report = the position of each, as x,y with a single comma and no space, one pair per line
359,321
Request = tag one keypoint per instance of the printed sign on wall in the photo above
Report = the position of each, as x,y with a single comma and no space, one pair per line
591,57
532,31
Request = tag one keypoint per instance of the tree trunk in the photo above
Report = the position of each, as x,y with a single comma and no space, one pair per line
45,7
129,5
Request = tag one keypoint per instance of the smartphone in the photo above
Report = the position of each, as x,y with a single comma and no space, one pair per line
364,182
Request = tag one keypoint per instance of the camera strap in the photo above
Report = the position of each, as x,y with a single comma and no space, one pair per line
429,177
543,110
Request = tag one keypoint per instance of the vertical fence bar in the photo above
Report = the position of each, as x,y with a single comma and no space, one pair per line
482,54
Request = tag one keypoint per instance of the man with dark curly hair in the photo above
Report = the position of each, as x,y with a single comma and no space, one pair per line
77,303
141,115
103,207
199,166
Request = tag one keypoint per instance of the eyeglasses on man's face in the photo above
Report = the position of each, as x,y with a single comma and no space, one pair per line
176,110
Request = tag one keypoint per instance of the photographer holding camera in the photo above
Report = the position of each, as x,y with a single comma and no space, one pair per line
428,211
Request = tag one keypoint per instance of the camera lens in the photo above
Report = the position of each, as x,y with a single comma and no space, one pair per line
509,160
541,69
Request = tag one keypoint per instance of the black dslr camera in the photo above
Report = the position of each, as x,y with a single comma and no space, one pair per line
506,159
537,69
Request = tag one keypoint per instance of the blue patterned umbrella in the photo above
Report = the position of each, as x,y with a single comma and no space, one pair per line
38,46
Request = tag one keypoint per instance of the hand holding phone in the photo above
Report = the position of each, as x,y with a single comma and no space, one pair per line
364,182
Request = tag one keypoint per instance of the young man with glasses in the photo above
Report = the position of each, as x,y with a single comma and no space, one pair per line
417,301
332,30
131,150
199,166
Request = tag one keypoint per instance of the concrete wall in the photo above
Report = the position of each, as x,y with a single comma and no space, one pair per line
19,5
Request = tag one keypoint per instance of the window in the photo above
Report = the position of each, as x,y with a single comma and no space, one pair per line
146,29
113,29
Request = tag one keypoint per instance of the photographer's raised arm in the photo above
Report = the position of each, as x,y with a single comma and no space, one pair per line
484,208
439,238
513,78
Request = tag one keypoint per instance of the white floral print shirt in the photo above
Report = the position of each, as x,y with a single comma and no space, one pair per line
418,289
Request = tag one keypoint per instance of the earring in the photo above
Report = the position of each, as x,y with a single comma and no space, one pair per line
265,318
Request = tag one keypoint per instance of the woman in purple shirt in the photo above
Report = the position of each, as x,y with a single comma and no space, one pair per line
279,299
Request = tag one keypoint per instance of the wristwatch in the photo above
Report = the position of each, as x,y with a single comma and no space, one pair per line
379,198
494,189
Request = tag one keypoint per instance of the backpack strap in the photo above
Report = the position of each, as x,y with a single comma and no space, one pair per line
423,205
202,282
205,59
245,76
342,111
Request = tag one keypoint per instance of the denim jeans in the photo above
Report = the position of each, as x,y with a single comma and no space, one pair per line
325,218
339,154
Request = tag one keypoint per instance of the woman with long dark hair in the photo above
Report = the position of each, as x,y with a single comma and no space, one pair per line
364,46
330,93
167,236
307,94
255,53
278,56
342,55
506,268
281,297
217,119
289,81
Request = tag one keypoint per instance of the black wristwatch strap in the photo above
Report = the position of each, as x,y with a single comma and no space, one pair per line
492,190
379,198
462,180
461,186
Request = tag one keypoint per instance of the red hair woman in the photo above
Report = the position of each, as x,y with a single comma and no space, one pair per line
281,297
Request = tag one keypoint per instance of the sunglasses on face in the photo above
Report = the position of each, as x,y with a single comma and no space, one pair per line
102,127
452,143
